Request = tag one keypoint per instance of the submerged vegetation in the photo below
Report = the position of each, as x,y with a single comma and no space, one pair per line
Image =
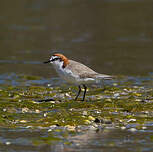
124,103
120,104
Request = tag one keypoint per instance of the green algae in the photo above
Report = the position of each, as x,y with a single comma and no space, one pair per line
116,104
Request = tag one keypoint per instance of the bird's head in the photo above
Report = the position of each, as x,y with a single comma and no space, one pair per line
58,60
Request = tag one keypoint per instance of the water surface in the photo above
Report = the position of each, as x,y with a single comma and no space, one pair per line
111,36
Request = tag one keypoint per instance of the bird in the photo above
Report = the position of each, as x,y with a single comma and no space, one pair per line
75,72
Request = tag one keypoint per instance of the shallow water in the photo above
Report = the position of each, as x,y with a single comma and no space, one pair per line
104,140
112,37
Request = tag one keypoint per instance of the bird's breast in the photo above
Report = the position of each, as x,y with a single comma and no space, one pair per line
67,75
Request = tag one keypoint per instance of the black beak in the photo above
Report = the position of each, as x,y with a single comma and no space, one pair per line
46,62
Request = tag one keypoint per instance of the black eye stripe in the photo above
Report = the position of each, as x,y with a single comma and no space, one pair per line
55,59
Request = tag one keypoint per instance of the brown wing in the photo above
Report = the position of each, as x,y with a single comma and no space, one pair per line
84,72
81,70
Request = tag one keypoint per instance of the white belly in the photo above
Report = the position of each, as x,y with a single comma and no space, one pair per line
68,76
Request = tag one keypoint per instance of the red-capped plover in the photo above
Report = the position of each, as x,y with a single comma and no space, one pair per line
75,72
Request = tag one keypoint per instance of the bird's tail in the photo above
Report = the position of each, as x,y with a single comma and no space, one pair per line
105,77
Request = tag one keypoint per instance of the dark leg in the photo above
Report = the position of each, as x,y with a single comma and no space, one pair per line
103,85
78,93
84,94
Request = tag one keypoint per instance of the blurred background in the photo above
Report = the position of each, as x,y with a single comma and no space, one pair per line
111,36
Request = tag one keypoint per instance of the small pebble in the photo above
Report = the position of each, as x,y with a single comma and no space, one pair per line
4,110
70,128
123,127
120,120
133,129
45,114
115,84
92,128
37,111
109,100
131,120
87,122
85,113
67,95
53,126
91,118
52,101
48,85
49,130
138,100
16,96
8,143
25,109
23,121
116,94
98,111
28,127
125,90
144,127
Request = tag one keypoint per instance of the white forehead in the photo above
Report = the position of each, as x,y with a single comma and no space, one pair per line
54,56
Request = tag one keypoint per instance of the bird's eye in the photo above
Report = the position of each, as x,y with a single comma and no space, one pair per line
55,59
